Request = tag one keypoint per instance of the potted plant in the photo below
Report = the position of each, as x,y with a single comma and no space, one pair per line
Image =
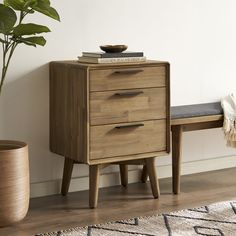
14,165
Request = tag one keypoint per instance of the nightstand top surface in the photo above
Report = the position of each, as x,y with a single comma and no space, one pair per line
95,65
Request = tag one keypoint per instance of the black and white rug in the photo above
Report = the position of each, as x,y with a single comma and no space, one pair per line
218,219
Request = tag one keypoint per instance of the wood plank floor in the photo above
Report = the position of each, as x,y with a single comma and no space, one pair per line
56,212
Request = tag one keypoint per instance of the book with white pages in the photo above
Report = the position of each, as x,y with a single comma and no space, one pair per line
112,55
111,60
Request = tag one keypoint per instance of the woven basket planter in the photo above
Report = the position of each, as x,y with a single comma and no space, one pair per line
14,181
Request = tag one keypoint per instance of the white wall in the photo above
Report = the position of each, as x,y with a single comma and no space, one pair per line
196,36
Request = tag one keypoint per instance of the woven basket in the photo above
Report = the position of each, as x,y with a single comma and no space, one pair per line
14,181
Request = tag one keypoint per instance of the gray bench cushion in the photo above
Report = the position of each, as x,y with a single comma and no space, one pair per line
205,109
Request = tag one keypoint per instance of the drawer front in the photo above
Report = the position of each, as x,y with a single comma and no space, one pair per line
126,139
127,105
127,78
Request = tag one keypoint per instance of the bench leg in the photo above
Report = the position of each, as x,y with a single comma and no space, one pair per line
124,174
68,168
93,185
151,170
144,175
176,157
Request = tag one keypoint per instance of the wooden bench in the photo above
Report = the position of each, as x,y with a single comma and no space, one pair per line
189,118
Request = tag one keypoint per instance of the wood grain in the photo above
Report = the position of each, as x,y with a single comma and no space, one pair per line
118,78
69,103
149,104
110,141
151,170
76,63
198,119
124,174
168,115
67,172
127,157
187,124
88,112
176,156
202,125
144,175
68,111
93,185
14,181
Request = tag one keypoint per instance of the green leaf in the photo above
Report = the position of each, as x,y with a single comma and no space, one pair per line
33,40
29,29
44,1
21,5
30,44
7,19
15,4
43,6
30,3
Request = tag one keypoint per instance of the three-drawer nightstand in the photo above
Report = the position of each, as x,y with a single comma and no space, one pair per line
103,114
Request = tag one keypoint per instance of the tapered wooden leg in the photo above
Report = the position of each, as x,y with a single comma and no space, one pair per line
144,175
176,157
151,170
124,174
93,185
68,168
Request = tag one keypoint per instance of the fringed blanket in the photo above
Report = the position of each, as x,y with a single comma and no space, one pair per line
228,104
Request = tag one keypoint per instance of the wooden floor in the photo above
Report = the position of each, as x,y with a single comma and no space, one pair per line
56,212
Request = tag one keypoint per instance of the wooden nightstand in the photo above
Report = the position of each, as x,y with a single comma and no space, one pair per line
104,114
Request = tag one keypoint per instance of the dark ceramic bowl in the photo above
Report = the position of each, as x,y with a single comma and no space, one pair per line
113,48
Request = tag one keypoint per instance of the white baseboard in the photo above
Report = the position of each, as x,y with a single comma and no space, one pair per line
112,179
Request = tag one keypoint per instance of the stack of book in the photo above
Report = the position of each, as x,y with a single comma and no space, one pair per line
103,57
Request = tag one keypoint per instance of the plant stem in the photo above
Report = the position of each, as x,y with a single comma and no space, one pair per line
9,45
6,61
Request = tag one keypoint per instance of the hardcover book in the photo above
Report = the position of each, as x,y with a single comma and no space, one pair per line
112,55
111,60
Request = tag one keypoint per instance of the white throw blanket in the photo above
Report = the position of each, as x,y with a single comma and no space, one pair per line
228,104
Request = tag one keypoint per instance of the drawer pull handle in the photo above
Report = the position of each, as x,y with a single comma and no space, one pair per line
128,71
129,126
129,93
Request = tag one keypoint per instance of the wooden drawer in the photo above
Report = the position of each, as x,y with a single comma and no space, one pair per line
127,78
126,139
127,105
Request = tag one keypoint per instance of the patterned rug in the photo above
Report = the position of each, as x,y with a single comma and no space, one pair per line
214,220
